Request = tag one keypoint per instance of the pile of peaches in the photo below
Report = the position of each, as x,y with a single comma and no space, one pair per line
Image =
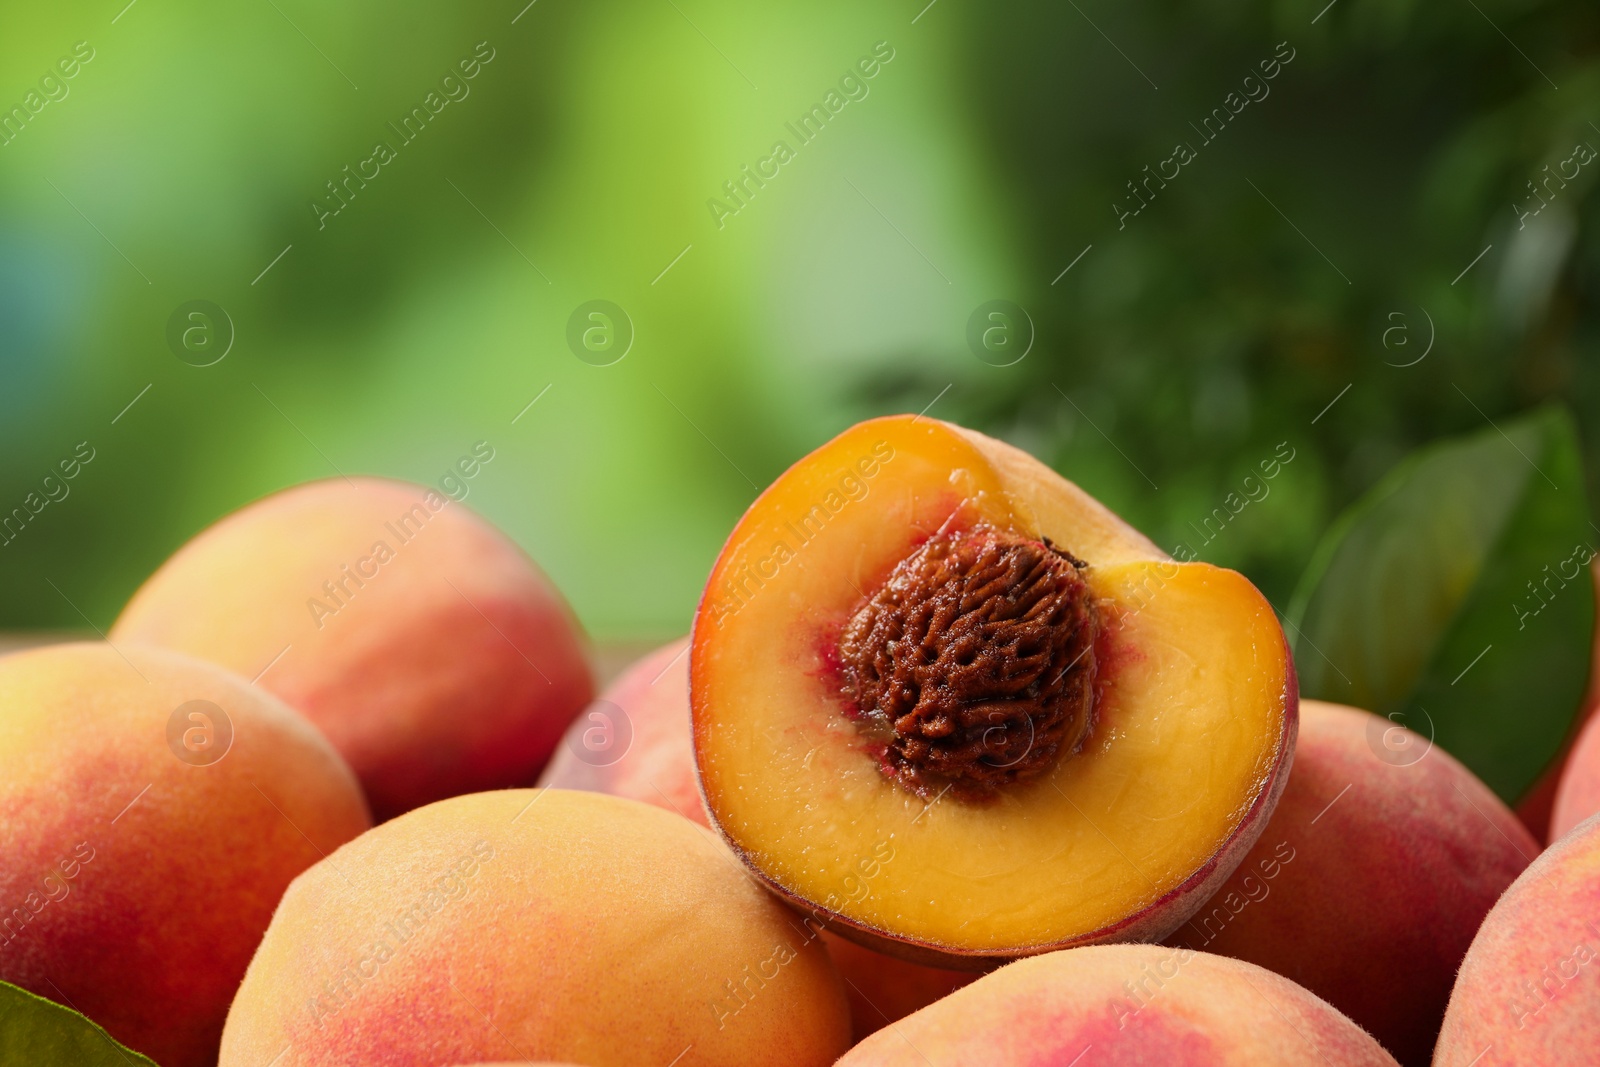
955,768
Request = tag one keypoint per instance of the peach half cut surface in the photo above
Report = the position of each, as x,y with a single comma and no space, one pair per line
952,707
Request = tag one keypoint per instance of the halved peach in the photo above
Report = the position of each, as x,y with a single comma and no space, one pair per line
957,710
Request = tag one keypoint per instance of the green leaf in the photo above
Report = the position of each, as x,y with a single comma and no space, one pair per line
1455,598
42,1033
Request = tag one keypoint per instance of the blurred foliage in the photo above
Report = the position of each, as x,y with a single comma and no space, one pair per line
1455,599
1170,361
1209,329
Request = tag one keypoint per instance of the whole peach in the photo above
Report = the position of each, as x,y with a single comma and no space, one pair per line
152,810
1124,1006
1373,874
424,644
1529,989
537,923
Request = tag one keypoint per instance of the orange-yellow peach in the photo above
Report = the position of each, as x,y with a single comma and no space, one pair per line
152,810
634,742
1529,990
535,923
424,644
954,708
1124,1006
1373,874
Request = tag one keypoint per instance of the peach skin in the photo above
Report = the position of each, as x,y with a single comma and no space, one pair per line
543,924
424,644
1529,990
1124,1006
634,742
1578,794
152,810
1372,876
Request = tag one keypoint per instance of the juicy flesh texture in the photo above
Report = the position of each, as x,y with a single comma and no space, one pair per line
1193,709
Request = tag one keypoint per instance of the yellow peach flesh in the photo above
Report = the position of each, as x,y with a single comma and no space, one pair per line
1194,714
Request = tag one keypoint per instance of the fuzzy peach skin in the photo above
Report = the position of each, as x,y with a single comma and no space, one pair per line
1529,990
1578,795
1124,1006
424,644
135,885
645,754
1382,858
536,923
658,768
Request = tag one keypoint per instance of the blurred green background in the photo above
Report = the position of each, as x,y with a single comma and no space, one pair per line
1361,233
